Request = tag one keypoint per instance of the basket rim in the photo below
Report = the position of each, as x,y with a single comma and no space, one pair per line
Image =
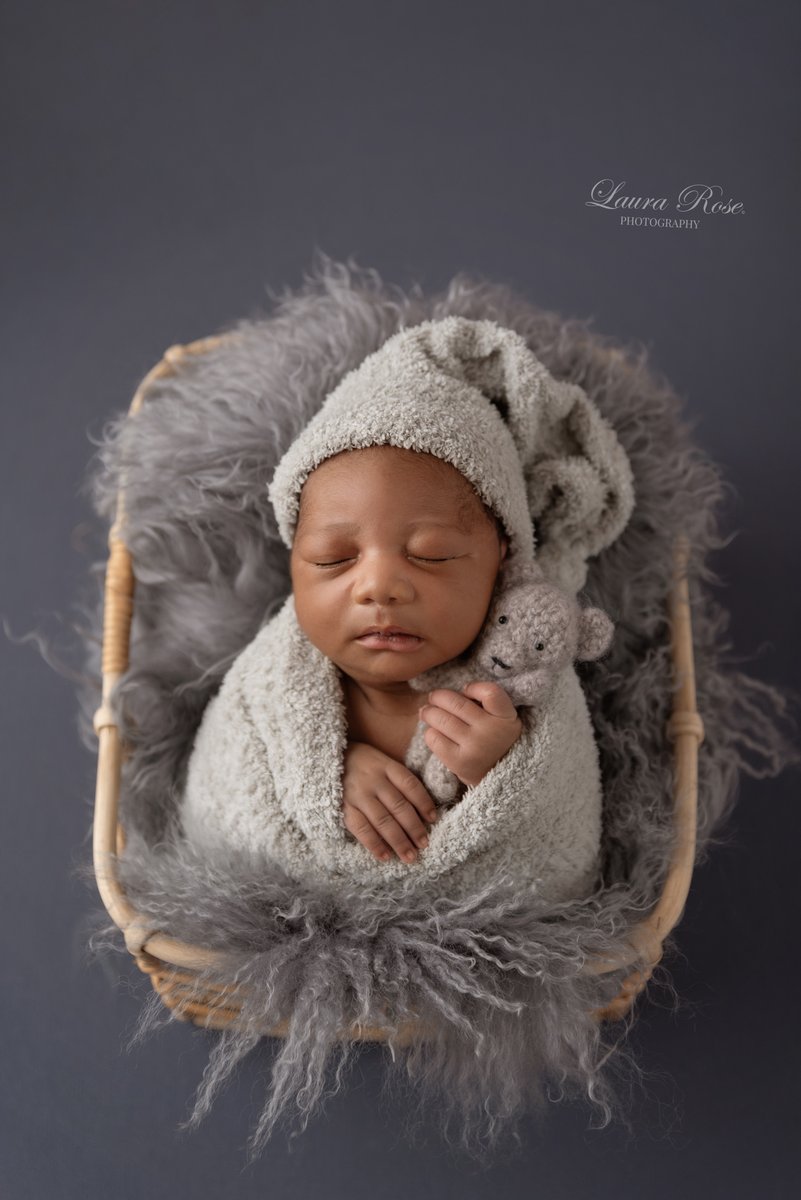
153,949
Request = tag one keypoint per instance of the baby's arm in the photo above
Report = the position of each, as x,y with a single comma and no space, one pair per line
471,730
385,804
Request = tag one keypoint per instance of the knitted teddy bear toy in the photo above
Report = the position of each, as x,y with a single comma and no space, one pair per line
533,630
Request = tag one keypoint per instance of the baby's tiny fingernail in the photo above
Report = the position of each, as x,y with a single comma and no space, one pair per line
422,842
384,855
410,856
433,816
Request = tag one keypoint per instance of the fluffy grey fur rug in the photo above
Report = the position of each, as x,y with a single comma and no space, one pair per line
498,981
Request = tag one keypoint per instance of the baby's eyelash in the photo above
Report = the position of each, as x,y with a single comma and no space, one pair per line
420,557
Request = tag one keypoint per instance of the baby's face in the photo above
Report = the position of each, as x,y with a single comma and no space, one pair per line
388,536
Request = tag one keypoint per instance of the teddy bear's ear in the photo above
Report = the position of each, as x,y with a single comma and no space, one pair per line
595,634
514,572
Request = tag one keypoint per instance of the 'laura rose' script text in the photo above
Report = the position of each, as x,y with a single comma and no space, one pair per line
707,198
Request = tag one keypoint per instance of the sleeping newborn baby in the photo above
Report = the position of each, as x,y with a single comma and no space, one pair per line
398,518
400,582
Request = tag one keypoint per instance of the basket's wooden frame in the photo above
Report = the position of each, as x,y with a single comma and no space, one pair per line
173,965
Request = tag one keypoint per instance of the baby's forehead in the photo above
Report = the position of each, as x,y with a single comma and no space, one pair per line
391,471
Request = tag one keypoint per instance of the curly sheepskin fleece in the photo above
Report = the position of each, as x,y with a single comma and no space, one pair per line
266,775
497,980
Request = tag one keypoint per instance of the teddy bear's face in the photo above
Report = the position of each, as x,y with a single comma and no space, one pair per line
532,631
529,627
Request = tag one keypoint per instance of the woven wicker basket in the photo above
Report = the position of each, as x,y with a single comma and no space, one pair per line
173,965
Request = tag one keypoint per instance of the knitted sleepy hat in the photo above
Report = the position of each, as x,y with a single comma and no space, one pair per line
472,393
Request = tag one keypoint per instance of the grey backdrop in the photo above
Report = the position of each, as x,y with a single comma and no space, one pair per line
166,163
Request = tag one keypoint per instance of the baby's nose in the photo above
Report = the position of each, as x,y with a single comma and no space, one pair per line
382,582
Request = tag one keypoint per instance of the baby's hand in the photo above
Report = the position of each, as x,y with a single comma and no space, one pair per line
470,737
384,802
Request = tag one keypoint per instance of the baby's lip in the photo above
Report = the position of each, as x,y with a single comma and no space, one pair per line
387,629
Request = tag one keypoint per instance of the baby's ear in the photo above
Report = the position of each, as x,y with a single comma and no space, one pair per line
595,634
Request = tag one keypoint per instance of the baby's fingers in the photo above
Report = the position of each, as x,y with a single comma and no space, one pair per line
412,787
492,697
357,823
394,823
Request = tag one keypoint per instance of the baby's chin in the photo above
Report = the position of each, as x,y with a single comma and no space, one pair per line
389,665
400,673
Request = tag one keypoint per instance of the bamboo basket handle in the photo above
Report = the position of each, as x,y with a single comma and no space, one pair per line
685,728
107,834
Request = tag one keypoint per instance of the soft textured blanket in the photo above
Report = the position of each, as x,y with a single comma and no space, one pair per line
265,776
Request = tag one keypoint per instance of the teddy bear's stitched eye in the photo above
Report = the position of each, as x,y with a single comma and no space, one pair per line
540,646
502,620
